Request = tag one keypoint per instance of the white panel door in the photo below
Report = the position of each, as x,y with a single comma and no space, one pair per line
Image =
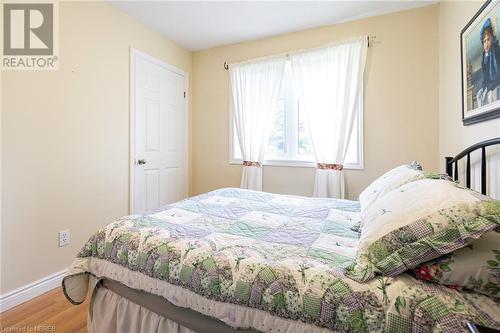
159,134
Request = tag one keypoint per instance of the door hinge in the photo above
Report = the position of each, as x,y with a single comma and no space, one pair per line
184,94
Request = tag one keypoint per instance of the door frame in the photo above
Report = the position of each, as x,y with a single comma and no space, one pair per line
134,54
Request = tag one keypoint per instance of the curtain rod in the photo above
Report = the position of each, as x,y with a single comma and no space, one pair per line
368,38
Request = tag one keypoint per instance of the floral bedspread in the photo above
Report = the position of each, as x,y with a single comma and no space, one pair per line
284,255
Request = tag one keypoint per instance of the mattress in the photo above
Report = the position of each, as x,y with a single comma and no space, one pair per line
270,263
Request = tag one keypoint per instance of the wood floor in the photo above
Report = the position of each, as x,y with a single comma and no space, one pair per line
51,310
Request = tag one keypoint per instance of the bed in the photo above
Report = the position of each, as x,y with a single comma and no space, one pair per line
235,260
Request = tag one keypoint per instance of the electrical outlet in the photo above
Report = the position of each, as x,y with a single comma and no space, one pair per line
63,237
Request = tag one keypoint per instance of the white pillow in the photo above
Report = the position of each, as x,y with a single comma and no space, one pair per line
420,221
388,181
410,203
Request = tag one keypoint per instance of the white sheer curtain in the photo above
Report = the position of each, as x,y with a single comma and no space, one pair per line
254,97
330,85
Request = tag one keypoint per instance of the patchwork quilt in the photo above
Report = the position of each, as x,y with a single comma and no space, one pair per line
269,262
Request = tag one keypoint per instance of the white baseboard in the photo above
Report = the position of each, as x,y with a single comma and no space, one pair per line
29,291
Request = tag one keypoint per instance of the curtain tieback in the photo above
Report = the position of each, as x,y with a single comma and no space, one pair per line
330,166
251,163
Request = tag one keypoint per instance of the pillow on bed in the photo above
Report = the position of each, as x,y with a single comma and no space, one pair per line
388,181
417,222
475,267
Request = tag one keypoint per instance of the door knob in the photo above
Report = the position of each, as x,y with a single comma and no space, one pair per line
141,162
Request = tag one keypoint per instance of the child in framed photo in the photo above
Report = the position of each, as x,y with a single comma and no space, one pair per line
481,65
489,65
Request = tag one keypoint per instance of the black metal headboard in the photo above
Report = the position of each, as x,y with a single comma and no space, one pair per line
454,160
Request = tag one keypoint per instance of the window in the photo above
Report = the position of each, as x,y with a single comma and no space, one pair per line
289,142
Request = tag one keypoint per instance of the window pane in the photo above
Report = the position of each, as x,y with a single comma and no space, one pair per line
289,123
276,144
304,140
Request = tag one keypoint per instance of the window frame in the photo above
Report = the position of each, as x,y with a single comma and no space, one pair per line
303,163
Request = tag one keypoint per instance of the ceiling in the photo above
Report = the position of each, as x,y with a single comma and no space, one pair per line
198,25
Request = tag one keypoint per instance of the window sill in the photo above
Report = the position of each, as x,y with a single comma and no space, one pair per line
297,164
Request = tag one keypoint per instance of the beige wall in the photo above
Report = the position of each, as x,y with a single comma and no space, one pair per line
401,101
65,139
453,136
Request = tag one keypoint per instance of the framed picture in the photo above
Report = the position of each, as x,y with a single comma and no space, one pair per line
480,53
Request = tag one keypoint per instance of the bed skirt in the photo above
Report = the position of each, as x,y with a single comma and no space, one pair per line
115,307
114,313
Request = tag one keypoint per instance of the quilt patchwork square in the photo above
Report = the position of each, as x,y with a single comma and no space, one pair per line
262,219
343,216
176,215
219,200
